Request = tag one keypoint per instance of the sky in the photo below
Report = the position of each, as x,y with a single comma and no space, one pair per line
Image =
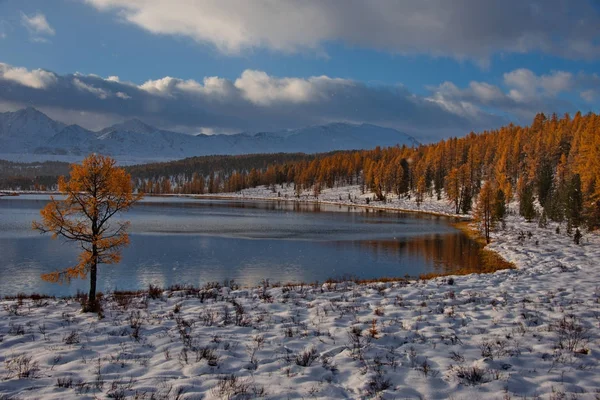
430,68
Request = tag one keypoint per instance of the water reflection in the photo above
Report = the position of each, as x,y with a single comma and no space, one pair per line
442,253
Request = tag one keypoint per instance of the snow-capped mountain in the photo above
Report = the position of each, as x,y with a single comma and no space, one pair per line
25,130
29,131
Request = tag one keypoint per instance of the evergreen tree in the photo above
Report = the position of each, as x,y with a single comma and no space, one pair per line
544,181
577,236
526,206
574,202
500,206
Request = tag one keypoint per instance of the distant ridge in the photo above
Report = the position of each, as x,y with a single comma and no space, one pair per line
29,132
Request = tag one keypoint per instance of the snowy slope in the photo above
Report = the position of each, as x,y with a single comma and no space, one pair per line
25,130
31,132
73,140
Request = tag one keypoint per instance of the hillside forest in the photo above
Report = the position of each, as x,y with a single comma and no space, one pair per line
552,167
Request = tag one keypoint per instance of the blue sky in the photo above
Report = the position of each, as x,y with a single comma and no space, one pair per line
434,68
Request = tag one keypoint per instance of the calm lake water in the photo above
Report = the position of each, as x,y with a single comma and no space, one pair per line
190,241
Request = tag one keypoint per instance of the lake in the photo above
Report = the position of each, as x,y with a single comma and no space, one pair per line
195,241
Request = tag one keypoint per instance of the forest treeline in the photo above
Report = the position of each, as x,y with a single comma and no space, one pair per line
551,166
554,162
208,174
31,176
44,175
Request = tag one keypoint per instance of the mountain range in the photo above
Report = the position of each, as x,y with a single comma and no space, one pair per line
29,132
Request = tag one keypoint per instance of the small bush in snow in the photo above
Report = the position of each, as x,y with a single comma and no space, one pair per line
72,338
307,357
470,375
22,367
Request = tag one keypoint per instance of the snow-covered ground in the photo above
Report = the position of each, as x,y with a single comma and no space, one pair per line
526,333
348,195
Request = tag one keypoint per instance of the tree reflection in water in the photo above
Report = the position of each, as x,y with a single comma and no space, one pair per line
444,254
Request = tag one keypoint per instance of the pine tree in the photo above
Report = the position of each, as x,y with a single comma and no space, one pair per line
544,181
526,206
574,202
500,206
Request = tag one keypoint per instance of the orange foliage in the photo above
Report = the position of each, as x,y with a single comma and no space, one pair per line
508,155
95,192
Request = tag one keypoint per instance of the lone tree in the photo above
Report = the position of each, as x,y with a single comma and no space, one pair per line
96,191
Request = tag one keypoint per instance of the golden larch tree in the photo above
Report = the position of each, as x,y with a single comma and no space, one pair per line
484,209
96,191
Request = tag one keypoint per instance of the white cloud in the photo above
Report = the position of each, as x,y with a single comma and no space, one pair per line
262,89
100,93
38,27
168,86
161,86
524,94
458,28
254,86
556,82
523,82
526,85
37,78
450,97
589,95
259,101
486,92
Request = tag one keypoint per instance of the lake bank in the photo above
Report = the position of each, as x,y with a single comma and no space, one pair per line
344,196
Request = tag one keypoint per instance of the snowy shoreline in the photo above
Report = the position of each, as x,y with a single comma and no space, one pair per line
339,196
532,332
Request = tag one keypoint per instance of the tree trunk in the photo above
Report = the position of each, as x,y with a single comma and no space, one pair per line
91,306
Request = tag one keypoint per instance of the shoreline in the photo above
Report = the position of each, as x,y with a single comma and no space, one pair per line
371,207
236,196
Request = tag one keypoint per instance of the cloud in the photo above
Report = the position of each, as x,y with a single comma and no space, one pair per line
258,101
254,101
523,94
461,28
37,78
525,84
100,93
38,27
262,89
